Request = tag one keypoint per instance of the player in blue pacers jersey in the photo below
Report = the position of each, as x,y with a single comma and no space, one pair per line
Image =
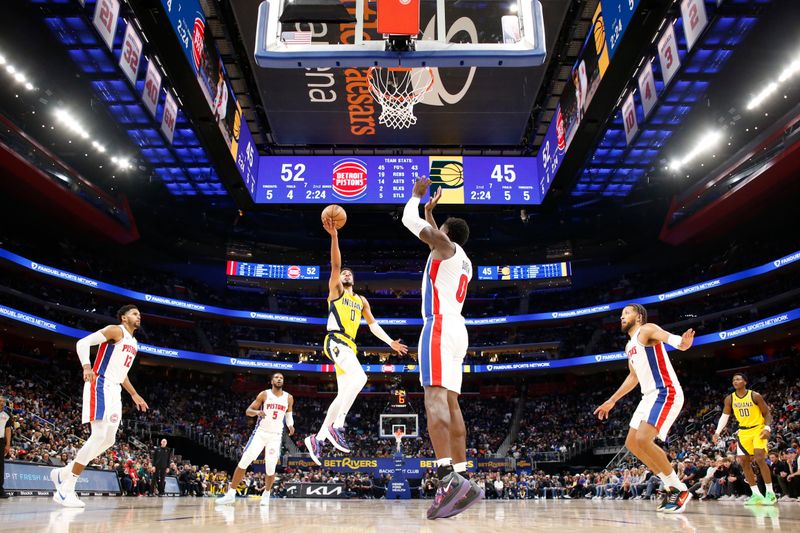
442,347
102,399
662,399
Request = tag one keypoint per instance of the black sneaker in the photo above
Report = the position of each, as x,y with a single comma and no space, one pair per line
473,496
452,489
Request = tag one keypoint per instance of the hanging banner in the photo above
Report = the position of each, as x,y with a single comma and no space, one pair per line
170,114
152,87
647,88
695,20
668,54
629,118
131,54
106,13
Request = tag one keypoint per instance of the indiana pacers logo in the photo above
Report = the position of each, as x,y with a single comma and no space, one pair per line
447,174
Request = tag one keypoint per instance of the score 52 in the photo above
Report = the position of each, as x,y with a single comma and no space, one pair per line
505,173
292,172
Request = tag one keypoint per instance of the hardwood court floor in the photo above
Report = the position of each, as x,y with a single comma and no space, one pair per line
175,515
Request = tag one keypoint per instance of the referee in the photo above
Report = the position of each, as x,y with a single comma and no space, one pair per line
6,422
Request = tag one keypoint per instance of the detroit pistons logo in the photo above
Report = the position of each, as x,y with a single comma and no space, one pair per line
114,418
198,36
349,179
293,272
561,132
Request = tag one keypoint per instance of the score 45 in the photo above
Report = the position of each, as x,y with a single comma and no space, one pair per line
501,173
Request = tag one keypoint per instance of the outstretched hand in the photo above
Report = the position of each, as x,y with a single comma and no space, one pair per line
686,340
603,410
421,186
330,226
433,201
399,347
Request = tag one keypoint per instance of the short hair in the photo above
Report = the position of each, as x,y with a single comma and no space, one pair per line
348,269
275,374
744,376
639,308
457,230
124,309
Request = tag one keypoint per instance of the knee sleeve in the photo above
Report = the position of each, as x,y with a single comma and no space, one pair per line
101,439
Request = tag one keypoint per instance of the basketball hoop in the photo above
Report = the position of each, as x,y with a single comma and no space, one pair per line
397,90
399,433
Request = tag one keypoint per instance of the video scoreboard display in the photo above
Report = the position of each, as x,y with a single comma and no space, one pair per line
544,271
390,179
267,271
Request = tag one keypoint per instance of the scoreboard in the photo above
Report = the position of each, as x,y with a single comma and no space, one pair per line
543,271
390,179
262,270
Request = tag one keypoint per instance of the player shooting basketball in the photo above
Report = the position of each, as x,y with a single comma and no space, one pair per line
345,309
442,347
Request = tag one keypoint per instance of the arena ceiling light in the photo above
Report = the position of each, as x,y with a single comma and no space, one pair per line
65,118
790,71
705,143
18,76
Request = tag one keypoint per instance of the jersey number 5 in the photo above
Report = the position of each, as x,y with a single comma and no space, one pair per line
274,415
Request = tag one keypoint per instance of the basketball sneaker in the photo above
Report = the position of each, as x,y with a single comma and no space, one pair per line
336,437
663,497
229,498
473,496
313,448
69,499
55,477
770,499
265,498
755,499
677,500
452,489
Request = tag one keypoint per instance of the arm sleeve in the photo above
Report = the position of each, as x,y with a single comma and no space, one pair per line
377,330
723,421
411,218
83,345
289,419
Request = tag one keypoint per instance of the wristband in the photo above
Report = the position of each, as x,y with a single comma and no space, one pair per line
674,340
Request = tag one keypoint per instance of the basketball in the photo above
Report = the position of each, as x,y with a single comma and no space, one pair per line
337,213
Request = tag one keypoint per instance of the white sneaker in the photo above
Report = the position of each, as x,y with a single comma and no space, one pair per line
55,477
229,498
265,499
68,500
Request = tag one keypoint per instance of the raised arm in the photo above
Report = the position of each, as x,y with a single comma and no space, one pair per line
628,385
335,288
437,240
651,332
377,330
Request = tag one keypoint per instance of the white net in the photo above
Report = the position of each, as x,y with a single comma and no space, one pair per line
397,90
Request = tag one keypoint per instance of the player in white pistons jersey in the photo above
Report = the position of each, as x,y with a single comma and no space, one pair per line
442,347
102,398
273,407
662,398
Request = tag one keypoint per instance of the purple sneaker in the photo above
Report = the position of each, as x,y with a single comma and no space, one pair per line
452,489
336,437
474,495
313,448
